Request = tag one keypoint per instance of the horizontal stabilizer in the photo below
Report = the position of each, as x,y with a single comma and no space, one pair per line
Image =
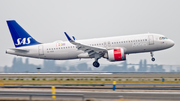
20,50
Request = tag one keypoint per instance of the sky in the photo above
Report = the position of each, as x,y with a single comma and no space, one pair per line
47,20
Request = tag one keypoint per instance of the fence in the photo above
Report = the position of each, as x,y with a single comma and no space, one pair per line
36,94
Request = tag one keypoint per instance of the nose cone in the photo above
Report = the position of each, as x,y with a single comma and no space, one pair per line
171,43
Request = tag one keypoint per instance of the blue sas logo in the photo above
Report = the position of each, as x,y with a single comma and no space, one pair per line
23,41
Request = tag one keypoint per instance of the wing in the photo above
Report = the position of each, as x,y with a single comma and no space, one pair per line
91,50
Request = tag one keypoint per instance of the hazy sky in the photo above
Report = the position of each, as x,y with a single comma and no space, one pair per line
46,21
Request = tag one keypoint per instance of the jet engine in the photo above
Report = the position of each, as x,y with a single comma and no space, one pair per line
115,55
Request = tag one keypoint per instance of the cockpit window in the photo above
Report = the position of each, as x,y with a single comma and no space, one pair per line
162,38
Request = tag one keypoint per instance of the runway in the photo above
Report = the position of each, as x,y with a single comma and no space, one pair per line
102,95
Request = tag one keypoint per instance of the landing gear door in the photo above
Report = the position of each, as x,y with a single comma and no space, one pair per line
41,50
151,40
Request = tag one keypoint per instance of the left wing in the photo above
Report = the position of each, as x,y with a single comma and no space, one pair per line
91,50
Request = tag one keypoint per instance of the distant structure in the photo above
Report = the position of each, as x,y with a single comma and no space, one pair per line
143,67
50,66
19,67
80,67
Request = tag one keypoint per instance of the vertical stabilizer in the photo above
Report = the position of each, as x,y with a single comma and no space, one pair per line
19,35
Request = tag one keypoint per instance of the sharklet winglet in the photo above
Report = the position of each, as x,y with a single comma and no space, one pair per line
69,38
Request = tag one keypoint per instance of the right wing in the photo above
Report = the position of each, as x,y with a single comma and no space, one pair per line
91,50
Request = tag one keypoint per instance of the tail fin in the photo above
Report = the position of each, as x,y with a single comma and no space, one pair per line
19,35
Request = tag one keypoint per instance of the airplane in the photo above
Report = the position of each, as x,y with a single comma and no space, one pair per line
111,48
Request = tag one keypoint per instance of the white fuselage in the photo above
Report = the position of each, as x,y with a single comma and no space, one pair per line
62,50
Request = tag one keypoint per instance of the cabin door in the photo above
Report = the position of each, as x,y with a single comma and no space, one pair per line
41,50
151,40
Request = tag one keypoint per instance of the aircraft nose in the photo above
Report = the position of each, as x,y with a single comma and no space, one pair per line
171,43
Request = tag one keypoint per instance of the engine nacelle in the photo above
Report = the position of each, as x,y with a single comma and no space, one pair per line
116,55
